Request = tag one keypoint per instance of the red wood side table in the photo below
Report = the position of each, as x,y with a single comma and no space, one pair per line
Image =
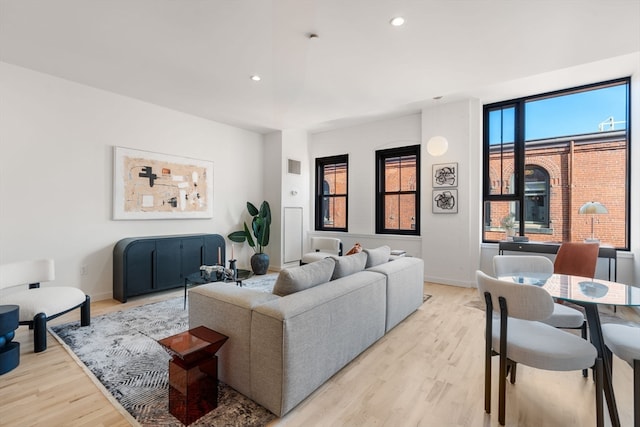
193,372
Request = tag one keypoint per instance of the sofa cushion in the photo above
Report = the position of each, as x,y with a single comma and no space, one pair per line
306,276
347,265
377,256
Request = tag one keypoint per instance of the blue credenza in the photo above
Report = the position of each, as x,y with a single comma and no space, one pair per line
143,265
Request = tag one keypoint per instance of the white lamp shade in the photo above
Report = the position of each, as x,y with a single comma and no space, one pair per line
593,208
437,145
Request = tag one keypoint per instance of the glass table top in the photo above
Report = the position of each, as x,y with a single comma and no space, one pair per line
580,289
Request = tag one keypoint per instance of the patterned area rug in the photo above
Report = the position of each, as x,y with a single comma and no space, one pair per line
121,350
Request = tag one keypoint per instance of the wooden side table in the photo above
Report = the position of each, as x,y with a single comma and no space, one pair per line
193,372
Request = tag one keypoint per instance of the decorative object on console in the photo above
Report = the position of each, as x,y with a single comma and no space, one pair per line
149,185
260,226
593,209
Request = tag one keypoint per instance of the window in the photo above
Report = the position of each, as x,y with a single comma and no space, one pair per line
547,155
398,191
332,179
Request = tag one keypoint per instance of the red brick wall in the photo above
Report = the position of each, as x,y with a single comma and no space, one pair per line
578,173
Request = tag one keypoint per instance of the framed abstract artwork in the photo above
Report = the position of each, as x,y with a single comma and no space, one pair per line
148,185
445,201
445,175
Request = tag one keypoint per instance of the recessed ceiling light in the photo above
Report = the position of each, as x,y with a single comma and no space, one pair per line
256,78
397,21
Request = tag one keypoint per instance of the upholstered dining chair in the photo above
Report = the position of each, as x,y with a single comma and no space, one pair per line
563,316
38,304
322,247
519,336
577,259
624,342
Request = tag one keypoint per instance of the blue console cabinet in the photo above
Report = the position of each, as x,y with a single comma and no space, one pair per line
143,265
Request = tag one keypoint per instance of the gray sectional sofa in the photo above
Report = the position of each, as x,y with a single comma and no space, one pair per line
284,345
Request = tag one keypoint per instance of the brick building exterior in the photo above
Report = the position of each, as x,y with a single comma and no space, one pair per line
562,175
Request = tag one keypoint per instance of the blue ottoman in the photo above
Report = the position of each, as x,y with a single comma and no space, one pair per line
9,349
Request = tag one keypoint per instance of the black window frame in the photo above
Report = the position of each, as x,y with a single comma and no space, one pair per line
381,157
518,195
321,162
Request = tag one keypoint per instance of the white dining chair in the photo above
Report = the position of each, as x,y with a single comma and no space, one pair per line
563,316
624,342
519,336
322,247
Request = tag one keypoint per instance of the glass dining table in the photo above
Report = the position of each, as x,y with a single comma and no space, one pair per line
587,293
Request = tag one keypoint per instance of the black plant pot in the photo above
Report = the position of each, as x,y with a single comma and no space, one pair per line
260,263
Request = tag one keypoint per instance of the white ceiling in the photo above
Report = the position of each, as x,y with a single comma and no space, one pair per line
196,56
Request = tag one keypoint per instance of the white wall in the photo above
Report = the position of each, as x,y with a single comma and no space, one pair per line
360,143
451,242
56,142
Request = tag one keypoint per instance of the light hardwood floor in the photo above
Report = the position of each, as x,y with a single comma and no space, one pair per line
428,371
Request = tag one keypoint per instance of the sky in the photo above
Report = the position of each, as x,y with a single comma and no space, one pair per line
572,114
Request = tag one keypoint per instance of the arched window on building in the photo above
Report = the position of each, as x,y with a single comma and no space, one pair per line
536,199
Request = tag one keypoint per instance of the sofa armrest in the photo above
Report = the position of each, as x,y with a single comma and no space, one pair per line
227,309
405,287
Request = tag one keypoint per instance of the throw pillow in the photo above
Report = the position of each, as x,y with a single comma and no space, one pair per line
377,256
356,249
346,265
291,280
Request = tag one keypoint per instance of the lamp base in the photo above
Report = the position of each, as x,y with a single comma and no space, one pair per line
591,240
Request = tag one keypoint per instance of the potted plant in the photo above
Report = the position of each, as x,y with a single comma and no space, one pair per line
509,223
260,228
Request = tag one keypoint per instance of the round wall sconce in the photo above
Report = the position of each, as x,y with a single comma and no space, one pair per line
437,145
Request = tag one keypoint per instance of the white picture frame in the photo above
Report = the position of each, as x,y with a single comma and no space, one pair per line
445,175
445,201
149,185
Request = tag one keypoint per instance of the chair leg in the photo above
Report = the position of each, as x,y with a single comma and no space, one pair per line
636,393
502,389
487,378
599,379
585,372
39,333
511,369
85,312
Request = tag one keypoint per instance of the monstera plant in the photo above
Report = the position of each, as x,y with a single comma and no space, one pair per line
260,229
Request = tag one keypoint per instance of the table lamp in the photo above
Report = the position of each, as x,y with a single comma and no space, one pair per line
593,209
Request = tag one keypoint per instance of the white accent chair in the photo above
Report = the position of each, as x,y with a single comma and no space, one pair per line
519,336
322,247
563,316
38,304
624,342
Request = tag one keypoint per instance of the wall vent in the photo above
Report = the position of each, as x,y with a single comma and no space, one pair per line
293,166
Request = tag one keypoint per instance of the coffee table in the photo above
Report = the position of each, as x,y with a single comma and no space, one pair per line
193,372
201,278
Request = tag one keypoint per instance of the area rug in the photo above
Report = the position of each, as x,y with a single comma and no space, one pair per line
121,350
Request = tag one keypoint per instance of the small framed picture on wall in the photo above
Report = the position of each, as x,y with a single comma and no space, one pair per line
445,201
445,175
